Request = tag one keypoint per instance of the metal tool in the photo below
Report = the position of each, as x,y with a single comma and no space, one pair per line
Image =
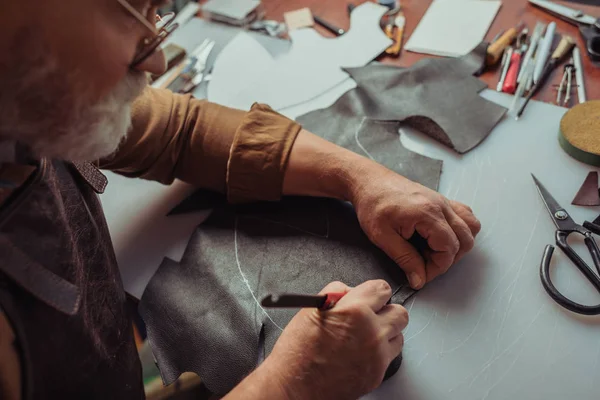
564,47
510,83
505,64
329,26
581,97
543,51
194,71
589,27
287,300
565,226
525,84
566,83
495,50
395,32
533,44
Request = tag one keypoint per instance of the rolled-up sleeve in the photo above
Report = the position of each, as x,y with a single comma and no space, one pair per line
241,153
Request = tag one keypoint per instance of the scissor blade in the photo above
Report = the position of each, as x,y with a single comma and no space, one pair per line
564,222
570,14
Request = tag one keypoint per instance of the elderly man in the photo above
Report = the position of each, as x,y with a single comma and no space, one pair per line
70,71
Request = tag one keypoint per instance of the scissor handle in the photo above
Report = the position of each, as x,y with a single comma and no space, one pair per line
592,41
561,241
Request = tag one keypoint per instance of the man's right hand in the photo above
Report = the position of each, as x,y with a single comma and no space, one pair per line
341,353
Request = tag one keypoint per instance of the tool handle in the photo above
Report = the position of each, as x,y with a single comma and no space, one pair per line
394,50
389,32
553,291
510,82
331,300
565,45
494,51
329,26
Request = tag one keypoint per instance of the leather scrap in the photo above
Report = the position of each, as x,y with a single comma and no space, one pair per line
439,97
588,193
203,314
242,253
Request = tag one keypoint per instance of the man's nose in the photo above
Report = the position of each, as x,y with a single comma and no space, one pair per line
156,63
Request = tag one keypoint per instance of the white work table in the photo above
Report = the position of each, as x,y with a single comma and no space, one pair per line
486,329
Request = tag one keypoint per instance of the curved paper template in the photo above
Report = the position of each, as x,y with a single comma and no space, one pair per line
311,67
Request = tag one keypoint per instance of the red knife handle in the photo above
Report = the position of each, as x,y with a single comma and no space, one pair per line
331,300
510,83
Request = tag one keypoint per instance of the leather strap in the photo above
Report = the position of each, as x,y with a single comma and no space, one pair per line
37,280
92,175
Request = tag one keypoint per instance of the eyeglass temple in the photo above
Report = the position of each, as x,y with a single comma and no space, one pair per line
153,45
137,14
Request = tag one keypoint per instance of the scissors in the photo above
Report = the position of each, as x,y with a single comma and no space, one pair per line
564,227
589,26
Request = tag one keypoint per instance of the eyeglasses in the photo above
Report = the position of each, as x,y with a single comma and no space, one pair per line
164,27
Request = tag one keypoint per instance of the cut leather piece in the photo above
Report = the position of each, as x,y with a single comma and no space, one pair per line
588,193
204,315
436,96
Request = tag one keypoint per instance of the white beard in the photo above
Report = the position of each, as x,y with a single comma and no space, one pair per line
40,108
96,131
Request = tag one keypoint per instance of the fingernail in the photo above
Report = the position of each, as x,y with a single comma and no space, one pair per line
415,280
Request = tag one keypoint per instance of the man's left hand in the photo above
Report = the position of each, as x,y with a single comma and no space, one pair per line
392,208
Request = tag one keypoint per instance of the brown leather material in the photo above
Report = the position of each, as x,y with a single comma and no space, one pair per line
69,348
92,175
588,192
37,280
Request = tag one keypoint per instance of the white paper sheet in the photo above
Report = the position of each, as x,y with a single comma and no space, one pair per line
453,28
229,75
311,67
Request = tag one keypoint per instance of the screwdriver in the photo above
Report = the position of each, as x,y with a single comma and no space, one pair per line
564,47
510,82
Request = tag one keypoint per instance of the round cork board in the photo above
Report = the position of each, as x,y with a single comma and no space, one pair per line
579,132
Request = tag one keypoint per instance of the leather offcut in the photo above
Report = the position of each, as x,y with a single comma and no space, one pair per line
439,97
203,315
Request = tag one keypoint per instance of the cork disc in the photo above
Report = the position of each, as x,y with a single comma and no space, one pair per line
580,132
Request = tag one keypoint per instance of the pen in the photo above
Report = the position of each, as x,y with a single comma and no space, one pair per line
289,300
564,47
505,64
543,52
579,75
328,26
533,43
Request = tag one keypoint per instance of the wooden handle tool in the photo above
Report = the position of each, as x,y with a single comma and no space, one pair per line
495,50
394,50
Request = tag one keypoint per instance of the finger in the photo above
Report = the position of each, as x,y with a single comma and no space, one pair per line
462,231
396,346
405,255
465,212
441,240
394,318
335,287
435,228
375,294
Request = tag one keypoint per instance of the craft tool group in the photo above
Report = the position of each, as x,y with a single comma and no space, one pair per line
536,57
